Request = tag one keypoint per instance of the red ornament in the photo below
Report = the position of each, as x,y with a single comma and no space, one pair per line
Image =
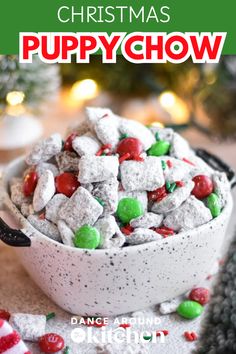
203,186
200,295
68,143
66,183
51,343
130,148
4,315
158,194
30,183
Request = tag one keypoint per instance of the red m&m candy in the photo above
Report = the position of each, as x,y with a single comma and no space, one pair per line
68,143
51,343
203,186
66,183
131,147
30,183
200,295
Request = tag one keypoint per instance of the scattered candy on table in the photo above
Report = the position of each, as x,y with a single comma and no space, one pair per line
51,343
200,295
189,309
190,336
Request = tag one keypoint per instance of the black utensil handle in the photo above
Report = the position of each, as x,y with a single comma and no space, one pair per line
216,163
11,237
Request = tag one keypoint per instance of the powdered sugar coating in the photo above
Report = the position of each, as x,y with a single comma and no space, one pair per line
97,168
86,145
173,200
147,220
221,187
142,235
67,161
45,149
30,327
43,166
137,130
82,208
111,235
53,207
192,213
146,175
107,192
66,233
44,190
45,227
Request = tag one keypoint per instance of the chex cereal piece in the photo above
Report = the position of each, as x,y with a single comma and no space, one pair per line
173,200
31,327
45,227
67,161
43,166
27,209
66,233
95,114
53,207
88,186
97,168
200,167
107,130
137,130
44,190
17,194
82,208
162,133
86,145
44,150
107,192
179,147
176,170
10,340
192,213
221,187
141,196
147,220
145,175
79,128
171,305
142,235
111,236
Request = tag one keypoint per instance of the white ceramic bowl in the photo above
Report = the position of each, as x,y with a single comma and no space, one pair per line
116,281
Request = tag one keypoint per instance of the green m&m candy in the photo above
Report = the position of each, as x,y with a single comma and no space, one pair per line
161,147
87,237
213,204
128,209
189,309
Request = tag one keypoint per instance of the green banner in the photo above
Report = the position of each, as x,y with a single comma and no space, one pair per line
111,16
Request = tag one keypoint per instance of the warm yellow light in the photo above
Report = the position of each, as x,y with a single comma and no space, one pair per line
15,97
84,90
157,124
175,106
167,99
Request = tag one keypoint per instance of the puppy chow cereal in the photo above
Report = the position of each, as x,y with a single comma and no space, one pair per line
114,183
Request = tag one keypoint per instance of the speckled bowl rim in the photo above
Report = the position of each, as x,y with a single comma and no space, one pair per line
133,248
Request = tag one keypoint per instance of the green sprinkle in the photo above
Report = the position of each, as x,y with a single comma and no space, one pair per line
172,187
123,136
163,164
67,350
100,201
168,185
147,338
50,315
103,154
157,137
